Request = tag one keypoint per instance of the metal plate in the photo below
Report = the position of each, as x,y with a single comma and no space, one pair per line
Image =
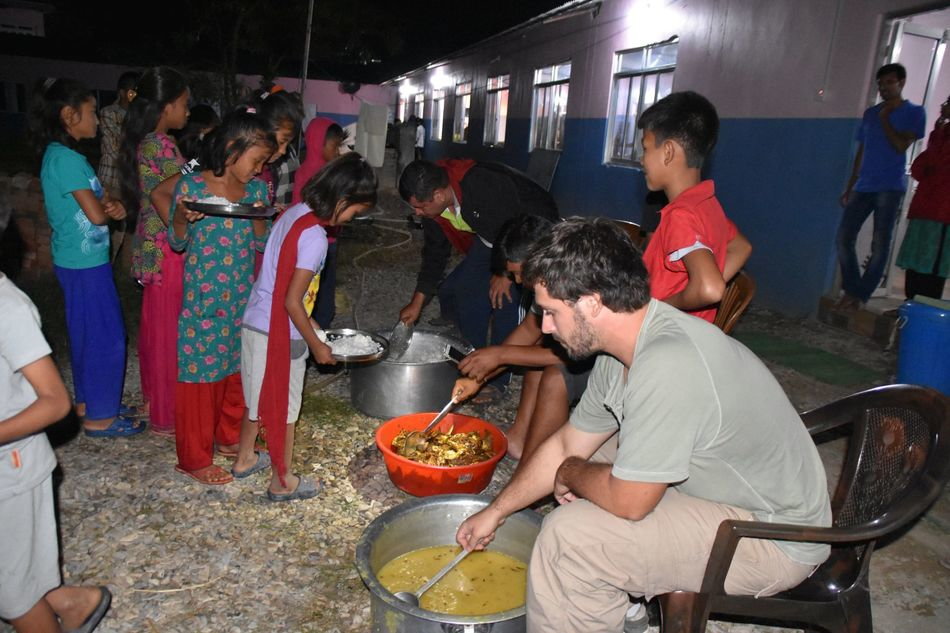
232,210
335,334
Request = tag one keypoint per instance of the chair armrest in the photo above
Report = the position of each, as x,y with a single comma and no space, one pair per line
730,531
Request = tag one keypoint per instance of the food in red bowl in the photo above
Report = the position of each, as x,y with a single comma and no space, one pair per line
423,480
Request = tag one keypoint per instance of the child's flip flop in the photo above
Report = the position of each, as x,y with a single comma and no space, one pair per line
263,461
209,475
120,427
306,489
91,622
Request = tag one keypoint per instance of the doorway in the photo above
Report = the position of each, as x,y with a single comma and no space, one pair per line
919,42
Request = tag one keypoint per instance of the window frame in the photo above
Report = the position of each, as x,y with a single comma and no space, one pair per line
643,75
419,104
437,114
463,115
549,134
497,95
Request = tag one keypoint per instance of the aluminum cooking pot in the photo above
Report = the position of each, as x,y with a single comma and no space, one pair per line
428,522
421,380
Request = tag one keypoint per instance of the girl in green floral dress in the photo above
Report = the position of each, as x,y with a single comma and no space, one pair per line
219,269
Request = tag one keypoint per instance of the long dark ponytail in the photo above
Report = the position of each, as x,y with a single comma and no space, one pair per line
156,88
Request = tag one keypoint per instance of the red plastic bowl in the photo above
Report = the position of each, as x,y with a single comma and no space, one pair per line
423,480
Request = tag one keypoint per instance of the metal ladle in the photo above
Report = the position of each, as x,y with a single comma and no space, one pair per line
413,598
417,439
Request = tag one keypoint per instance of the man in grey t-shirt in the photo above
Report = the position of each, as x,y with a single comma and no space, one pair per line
681,427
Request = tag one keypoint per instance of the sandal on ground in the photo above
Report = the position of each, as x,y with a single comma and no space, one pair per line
263,461
209,475
120,427
306,489
90,623
488,394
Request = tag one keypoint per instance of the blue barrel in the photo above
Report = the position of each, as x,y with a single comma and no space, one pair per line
924,354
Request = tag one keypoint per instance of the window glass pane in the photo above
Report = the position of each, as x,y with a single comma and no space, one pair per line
666,85
631,134
664,55
563,71
619,108
561,102
438,118
544,75
502,117
648,91
631,61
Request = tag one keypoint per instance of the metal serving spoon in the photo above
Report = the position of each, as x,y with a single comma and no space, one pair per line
413,598
399,339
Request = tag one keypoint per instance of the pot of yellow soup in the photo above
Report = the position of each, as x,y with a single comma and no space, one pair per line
408,543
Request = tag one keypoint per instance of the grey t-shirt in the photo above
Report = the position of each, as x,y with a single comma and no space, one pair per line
26,462
700,411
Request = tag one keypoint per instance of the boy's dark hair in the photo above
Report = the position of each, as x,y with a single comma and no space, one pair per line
238,132
335,131
156,88
280,108
189,139
892,69
687,118
348,179
49,98
420,179
127,80
519,234
582,256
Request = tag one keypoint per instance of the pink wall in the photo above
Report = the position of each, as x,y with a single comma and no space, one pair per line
327,96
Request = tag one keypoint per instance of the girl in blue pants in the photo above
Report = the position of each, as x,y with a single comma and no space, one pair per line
63,113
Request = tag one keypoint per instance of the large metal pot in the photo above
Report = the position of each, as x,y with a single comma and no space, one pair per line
421,380
428,522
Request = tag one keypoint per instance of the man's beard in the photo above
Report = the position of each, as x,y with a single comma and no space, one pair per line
584,341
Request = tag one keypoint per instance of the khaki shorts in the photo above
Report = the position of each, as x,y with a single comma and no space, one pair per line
29,556
253,363
586,560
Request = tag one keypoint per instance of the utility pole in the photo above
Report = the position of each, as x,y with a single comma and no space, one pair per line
306,50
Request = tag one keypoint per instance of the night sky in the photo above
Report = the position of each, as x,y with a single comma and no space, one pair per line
353,40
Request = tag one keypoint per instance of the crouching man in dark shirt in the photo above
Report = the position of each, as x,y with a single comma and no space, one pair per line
463,205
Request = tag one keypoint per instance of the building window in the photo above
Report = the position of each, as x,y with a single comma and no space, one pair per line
463,106
438,114
403,108
642,77
496,110
550,106
419,105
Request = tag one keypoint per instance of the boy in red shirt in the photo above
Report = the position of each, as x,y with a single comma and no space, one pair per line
696,248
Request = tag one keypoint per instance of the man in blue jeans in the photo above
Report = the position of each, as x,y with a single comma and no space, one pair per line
877,183
463,205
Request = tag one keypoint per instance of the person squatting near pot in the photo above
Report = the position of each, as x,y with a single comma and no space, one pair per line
649,466
552,382
463,205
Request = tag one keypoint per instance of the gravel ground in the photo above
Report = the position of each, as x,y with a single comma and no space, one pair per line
180,556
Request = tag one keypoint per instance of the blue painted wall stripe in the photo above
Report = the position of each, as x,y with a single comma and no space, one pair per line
778,179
